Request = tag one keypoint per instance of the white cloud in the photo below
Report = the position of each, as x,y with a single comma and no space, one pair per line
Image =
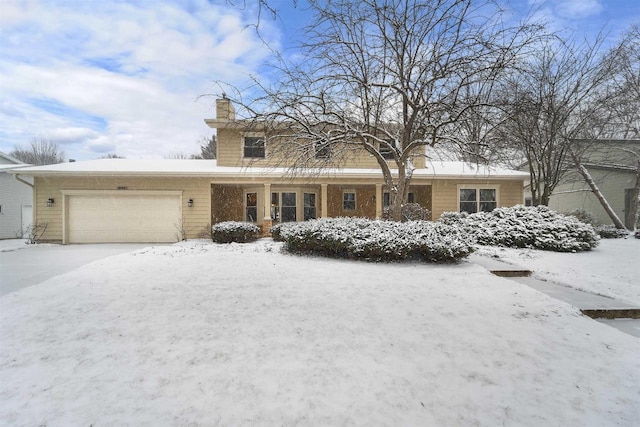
578,8
112,76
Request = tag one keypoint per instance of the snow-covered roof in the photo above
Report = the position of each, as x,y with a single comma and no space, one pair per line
4,168
210,168
8,158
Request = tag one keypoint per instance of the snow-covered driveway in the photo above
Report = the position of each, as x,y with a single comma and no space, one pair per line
23,265
198,334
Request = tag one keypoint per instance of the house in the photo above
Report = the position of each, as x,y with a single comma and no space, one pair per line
119,200
612,164
16,198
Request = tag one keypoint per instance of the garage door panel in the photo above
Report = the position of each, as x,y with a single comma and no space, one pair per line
112,219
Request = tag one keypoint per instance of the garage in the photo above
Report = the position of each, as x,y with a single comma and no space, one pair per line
122,216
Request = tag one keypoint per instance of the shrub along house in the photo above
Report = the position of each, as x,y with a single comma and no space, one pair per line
120,200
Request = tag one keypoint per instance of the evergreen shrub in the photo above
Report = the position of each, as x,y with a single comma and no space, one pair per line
609,231
233,231
360,238
536,227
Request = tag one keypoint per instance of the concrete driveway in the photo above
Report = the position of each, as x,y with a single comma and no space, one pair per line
26,265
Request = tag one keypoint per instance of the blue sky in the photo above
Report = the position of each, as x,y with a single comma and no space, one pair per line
124,77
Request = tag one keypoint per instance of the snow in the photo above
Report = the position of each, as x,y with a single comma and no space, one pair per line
611,269
193,167
241,334
9,245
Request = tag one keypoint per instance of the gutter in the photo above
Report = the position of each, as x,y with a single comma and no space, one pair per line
23,181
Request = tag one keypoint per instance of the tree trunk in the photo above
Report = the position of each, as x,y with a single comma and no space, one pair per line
595,190
632,215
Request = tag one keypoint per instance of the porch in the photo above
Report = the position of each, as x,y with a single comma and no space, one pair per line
272,203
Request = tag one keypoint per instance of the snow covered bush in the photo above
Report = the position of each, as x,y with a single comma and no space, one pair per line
535,227
583,215
232,231
611,232
410,212
360,238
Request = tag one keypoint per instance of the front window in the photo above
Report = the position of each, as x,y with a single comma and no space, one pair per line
283,207
322,150
309,206
386,199
254,147
288,209
474,200
251,207
387,150
349,200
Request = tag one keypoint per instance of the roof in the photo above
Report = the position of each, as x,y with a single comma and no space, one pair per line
10,159
210,168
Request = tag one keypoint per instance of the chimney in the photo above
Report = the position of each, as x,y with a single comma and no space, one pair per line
72,160
224,109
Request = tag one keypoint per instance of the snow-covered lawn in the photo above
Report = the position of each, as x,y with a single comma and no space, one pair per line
10,245
199,334
611,269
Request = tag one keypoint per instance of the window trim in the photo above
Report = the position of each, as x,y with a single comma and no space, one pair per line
258,135
355,200
476,187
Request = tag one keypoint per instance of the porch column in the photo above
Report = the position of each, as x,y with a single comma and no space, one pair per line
378,201
267,221
323,201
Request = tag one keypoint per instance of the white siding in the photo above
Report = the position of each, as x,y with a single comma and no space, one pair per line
13,194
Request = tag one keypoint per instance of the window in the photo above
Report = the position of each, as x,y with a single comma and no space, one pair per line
251,207
283,207
386,151
386,199
254,147
288,207
309,206
349,200
323,151
1,209
474,200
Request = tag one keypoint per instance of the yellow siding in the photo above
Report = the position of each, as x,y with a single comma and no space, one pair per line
196,219
230,153
445,193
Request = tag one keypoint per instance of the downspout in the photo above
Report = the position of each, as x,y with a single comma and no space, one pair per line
23,181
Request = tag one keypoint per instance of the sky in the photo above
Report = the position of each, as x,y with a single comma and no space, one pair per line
128,77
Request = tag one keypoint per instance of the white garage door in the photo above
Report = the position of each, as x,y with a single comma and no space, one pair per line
122,218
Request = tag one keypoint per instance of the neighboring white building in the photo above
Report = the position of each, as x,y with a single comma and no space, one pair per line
16,200
612,165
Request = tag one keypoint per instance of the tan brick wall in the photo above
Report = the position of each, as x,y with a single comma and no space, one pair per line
195,219
227,203
365,201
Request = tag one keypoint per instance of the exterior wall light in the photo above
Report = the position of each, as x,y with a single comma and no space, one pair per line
190,203
50,202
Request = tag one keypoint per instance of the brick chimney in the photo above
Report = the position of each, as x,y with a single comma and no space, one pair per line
224,109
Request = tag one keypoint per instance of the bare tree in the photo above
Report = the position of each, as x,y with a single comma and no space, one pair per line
39,152
388,77
112,156
207,148
619,105
615,124
547,102
177,156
